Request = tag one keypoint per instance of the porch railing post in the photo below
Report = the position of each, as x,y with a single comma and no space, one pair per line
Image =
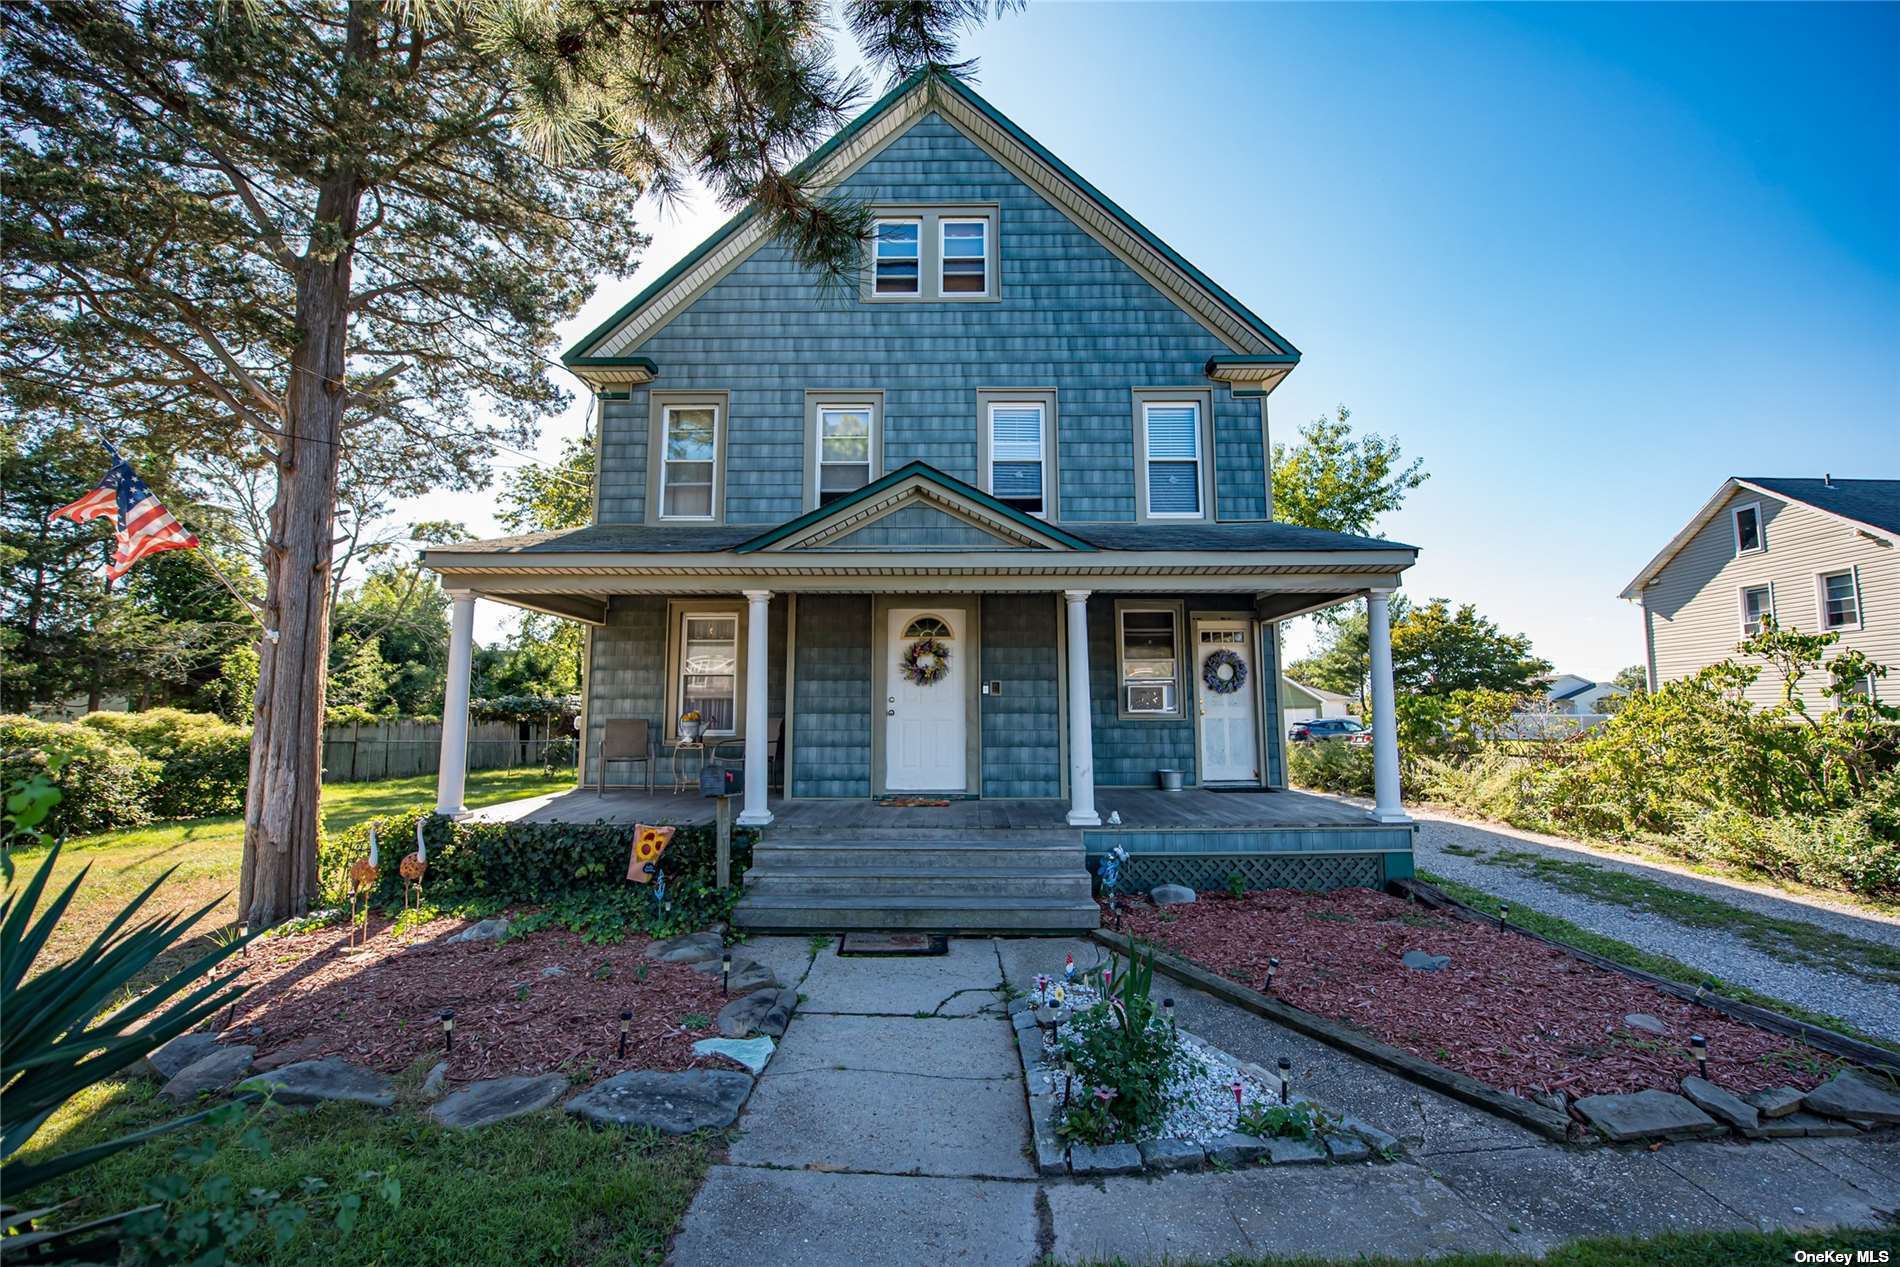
452,770
1081,742
758,771
1385,727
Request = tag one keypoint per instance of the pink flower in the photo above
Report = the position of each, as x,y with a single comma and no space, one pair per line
1104,1094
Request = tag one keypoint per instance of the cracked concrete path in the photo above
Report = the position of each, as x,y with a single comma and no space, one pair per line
891,1130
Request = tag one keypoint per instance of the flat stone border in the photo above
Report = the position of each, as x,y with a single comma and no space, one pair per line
1545,1121
1354,1141
1827,1040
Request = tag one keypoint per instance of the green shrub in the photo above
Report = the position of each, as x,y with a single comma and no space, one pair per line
1331,766
575,872
204,760
103,783
1126,1057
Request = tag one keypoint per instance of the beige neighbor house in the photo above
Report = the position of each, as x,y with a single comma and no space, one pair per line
1819,555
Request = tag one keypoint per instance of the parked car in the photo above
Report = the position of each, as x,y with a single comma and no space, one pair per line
1350,729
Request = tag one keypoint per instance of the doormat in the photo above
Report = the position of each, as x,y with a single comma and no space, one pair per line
913,802
894,944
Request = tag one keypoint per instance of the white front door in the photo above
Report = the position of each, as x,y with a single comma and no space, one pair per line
1230,737
924,715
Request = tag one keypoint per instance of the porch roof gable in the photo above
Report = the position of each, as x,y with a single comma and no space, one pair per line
915,483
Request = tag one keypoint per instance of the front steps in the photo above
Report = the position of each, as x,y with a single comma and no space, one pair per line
931,879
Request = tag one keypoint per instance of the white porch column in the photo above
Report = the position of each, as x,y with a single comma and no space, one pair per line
452,773
1385,727
758,763
1081,741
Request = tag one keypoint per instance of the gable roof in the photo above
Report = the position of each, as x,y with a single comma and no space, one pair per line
1870,505
913,482
1261,354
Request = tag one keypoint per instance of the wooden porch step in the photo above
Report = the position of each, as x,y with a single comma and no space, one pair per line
870,881
968,914
916,856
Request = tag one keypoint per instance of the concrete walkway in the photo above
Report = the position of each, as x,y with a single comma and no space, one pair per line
892,1129
1467,852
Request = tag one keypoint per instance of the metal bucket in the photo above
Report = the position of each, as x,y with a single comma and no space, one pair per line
1168,780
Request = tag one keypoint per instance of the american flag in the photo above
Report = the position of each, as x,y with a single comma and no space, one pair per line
145,526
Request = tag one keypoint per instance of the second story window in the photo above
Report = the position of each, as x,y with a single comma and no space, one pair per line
844,450
899,260
1172,449
965,257
1017,467
1748,538
1840,600
688,465
1758,604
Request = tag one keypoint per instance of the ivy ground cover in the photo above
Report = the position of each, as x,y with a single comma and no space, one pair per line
1514,1013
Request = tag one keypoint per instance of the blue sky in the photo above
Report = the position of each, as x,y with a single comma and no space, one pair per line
1586,261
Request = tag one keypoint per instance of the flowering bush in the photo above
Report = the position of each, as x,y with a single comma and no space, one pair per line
1124,1056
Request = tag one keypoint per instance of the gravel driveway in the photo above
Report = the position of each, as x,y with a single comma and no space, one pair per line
1467,852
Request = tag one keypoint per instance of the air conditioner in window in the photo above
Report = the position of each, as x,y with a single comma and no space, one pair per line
1151,697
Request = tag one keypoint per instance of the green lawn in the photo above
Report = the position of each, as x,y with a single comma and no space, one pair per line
206,851
539,1189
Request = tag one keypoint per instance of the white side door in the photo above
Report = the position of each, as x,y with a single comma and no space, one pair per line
924,722
1230,736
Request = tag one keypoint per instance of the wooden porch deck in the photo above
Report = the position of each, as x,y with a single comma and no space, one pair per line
1141,809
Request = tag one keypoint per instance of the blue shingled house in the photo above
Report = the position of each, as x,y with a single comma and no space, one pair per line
961,569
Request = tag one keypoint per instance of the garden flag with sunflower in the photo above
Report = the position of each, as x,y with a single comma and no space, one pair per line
648,844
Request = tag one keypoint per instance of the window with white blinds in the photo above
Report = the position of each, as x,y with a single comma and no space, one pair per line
1018,468
1172,435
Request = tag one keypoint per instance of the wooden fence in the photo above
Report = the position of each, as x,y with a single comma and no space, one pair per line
403,749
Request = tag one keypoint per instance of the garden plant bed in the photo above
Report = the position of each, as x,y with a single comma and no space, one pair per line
1516,1014
543,1002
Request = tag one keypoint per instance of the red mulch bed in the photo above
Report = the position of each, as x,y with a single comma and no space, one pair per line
382,1008
1511,1012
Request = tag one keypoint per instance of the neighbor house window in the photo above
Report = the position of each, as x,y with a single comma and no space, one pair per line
1840,600
688,466
964,257
1758,603
1150,661
1018,469
1171,433
899,261
1748,528
709,669
844,450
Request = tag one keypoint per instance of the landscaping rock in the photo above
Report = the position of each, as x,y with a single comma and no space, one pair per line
1023,1020
290,1054
690,948
1649,1114
319,1081
1644,1022
487,930
747,975
1379,1141
671,1103
1235,1149
1170,1154
1171,895
554,970
1295,1152
1419,961
764,1011
436,1080
753,1053
1723,1106
210,1073
165,1063
1052,1151
1776,1101
1105,1159
1797,1125
498,1099
1856,1095
1347,1148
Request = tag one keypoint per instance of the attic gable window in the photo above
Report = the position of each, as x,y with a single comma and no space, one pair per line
899,257
1748,538
933,254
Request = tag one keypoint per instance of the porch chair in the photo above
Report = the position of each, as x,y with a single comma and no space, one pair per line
774,735
628,739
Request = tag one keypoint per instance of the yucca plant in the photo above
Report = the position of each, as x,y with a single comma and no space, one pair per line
62,1033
